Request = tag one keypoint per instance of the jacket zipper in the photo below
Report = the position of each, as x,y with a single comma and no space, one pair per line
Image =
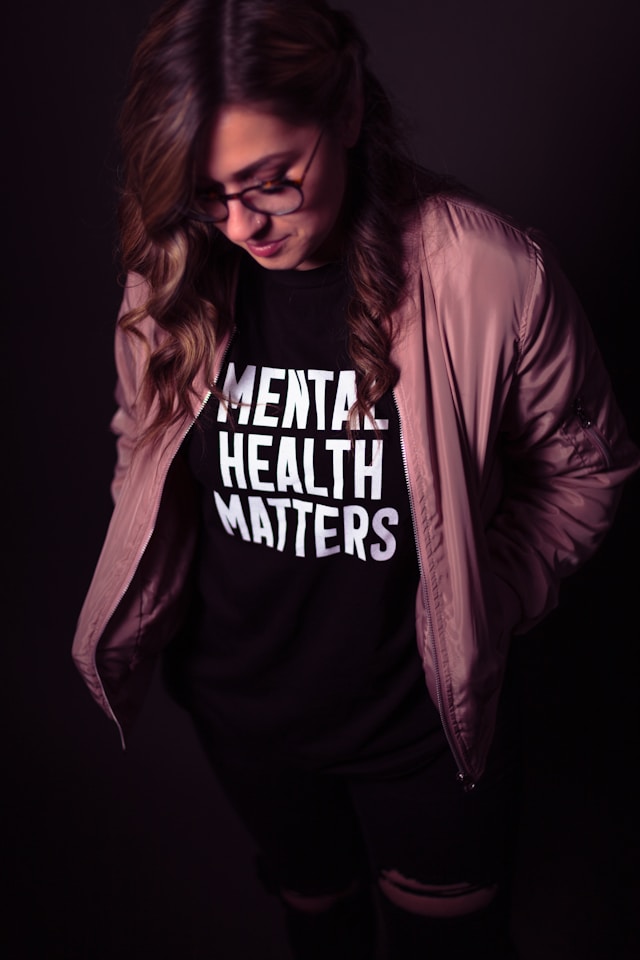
591,430
463,775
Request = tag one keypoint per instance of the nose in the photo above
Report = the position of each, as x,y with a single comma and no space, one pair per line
242,223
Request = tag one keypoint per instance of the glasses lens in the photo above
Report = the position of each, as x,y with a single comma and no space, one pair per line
210,208
275,200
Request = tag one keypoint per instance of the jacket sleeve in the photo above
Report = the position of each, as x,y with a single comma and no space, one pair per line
131,353
565,450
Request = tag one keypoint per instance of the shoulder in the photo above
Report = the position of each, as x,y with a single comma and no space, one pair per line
137,335
448,227
462,248
135,300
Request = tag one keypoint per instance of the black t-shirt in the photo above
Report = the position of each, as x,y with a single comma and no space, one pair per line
304,649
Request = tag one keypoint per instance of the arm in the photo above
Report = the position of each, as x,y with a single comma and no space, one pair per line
565,448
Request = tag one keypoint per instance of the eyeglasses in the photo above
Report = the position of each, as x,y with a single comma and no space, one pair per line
273,197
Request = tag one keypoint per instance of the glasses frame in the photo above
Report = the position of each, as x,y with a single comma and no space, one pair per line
240,195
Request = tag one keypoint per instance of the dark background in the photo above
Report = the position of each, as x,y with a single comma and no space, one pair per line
109,855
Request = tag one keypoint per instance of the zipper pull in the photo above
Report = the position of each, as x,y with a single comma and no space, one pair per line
581,413
598,441
465,781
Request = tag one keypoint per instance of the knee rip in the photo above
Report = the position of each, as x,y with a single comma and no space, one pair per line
434,900
319,903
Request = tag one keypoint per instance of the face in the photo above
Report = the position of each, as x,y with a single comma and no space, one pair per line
249,144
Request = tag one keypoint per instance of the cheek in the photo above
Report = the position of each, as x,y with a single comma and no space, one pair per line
318,222
325,210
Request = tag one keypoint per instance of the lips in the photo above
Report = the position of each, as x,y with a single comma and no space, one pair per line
269,249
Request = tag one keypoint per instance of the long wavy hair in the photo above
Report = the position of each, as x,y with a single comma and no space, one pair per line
305,59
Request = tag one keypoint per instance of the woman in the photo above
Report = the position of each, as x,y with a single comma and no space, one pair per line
364,431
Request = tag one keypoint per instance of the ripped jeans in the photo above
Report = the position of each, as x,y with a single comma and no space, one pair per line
399,868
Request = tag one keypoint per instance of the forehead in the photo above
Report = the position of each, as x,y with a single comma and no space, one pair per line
244,139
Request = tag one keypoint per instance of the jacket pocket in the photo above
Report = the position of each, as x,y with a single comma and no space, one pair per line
582,432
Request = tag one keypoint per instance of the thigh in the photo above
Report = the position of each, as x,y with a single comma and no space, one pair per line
426,827
303,824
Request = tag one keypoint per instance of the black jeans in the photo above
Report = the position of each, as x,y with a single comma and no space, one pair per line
318,833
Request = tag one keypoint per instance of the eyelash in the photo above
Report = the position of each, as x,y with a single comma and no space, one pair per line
280,175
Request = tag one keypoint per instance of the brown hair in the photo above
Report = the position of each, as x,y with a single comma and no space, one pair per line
195,56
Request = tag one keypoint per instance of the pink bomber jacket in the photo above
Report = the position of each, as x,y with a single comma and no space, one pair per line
515,453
